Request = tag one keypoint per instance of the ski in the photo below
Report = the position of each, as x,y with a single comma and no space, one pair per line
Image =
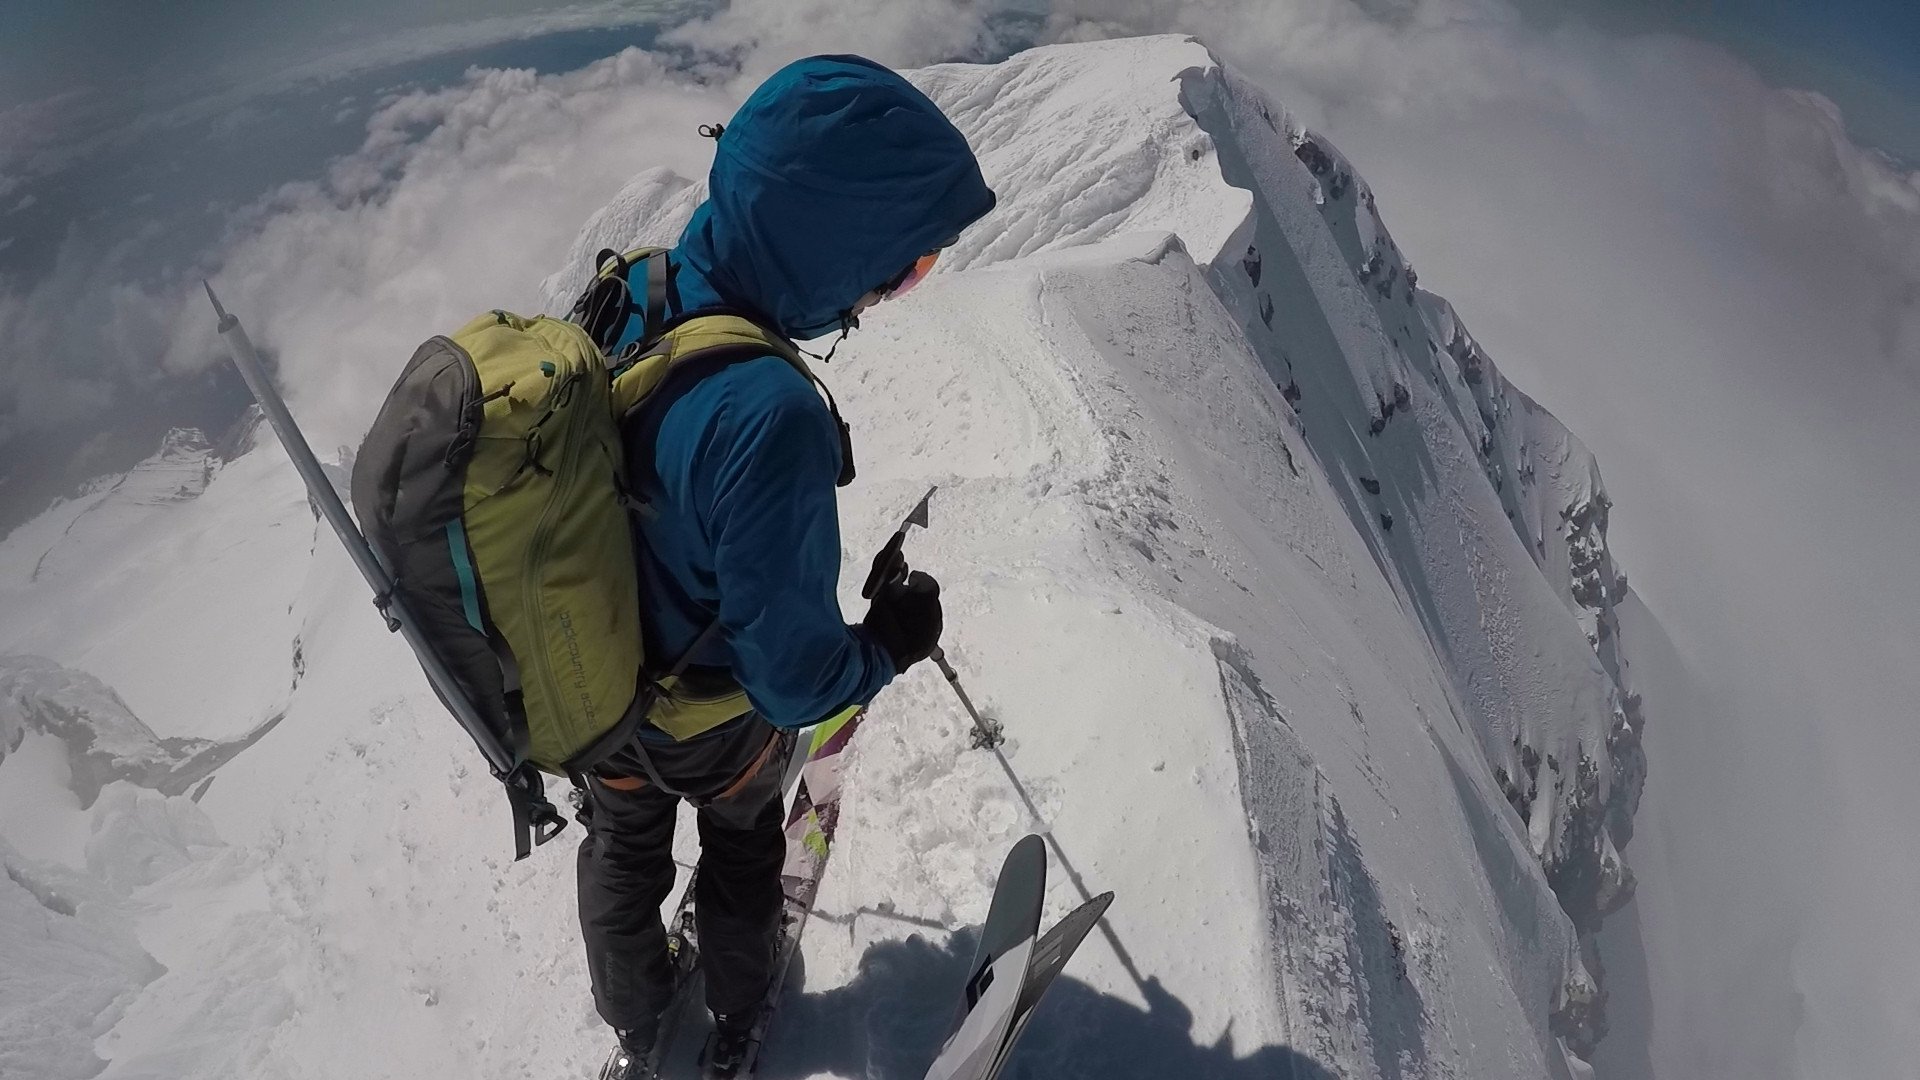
1011,969
535,819
813,813
1049,957
999,968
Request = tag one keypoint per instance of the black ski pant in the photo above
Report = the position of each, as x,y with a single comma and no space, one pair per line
626,870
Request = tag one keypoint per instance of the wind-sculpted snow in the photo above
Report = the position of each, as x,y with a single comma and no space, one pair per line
104,741
1298,616
68,977
89,815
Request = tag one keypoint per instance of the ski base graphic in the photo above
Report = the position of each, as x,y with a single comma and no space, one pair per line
1013,966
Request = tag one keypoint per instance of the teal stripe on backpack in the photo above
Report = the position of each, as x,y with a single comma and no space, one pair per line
463,569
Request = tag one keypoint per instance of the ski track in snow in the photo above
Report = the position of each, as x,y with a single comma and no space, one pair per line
1172,390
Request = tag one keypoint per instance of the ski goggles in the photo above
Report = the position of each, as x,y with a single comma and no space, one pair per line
911,276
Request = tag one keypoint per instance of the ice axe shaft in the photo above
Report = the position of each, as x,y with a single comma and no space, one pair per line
247,359
535,819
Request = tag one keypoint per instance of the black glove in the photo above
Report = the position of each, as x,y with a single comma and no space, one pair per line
904,619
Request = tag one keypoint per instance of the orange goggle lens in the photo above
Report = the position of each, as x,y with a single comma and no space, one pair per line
915,274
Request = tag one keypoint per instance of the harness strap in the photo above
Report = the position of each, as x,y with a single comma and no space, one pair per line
759,762
656,289
652,694
753,768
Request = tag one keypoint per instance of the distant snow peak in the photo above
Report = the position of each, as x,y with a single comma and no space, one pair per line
180,470
184,442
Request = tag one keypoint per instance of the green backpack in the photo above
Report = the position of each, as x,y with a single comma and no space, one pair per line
492,487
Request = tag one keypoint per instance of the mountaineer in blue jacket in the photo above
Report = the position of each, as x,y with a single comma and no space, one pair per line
834,187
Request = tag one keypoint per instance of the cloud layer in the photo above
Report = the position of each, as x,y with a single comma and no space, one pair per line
459,200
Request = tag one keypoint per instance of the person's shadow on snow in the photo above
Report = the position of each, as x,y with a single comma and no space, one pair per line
889,1022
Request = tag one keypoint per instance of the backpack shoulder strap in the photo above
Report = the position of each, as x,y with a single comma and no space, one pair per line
608,301
714,340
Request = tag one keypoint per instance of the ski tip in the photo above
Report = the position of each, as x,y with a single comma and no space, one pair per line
1027,856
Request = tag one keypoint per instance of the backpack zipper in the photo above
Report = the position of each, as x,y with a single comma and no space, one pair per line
537,552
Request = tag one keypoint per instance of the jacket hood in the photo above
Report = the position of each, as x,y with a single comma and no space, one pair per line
832,178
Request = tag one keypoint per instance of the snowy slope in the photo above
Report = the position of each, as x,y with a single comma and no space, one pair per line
1298,616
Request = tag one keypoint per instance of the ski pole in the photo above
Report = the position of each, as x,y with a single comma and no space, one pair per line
987,732
890,565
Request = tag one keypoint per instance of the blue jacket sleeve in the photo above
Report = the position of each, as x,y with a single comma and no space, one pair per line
774,531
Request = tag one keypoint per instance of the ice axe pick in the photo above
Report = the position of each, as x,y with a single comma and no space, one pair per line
890,566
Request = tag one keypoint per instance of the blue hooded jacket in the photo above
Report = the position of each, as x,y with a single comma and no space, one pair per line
830,180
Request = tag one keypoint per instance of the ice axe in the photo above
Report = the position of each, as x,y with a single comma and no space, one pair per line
535,819
890,567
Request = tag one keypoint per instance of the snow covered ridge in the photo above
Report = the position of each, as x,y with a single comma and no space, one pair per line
1569,760
129,820
1299,618
1483,514
1332,313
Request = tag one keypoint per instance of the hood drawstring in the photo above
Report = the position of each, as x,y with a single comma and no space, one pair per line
849,322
